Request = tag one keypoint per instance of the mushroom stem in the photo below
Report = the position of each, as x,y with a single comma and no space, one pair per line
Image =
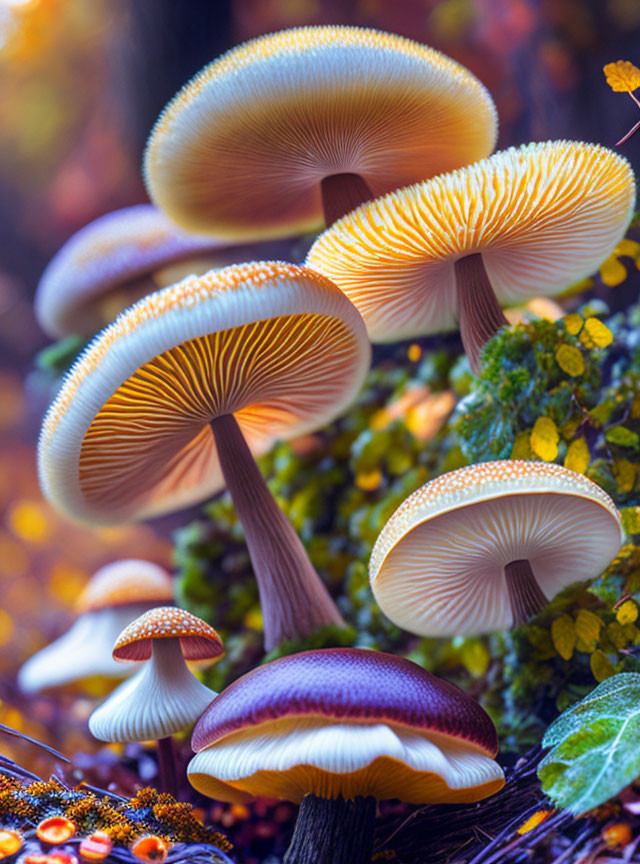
294,601
333,831
167,768
342,193
526,596
479,313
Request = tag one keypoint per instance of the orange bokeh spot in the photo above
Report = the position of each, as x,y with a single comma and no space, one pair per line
10,842
96,847
150,849
53,858
55,830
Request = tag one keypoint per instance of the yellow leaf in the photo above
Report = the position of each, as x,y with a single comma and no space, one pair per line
628,248
369,480
533,821
577,458
587,626
622,76
573,323
601,666
596,334
544,439
521,448
563,633
627,613
475,657
612,272
625,474
570,360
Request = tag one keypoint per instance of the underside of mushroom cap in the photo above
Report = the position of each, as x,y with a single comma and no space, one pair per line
347,685
128,436
290,758
112,252
542,216
241,151
123,582
438,566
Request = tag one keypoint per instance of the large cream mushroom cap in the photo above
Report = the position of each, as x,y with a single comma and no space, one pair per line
242,149
437,568
128,435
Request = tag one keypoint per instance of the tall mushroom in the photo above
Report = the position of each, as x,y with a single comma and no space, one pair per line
167,403
163,697
113,597
487,546
337,729
314,120
526,221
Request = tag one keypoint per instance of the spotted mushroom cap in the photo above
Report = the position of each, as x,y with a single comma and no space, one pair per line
242,149
437,568
349,722
108,264
198,640
543,216
128,435
122,582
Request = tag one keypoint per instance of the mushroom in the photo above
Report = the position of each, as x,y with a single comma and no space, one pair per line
336,729
163,697
166,405
311,121
113,597
526,221
487,546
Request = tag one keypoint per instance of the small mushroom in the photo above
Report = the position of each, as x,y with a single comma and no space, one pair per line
527,221
167,404
311,121
337,729
113,597
487,546
163,697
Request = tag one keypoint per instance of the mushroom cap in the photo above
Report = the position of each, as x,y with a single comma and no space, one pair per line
543,216
128,435
344,721
198,640
242,149
120,250
437,568
128,581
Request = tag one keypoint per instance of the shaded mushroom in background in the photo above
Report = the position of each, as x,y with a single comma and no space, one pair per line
525,222
166,405
121,257
337,729
314,120
487,546
115,595
163,697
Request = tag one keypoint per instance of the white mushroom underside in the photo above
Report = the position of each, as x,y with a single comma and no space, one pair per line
396,756
83,652
161,699
446,576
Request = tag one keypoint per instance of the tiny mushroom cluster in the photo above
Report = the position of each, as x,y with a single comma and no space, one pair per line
173,401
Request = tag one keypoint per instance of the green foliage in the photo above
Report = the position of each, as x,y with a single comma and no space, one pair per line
594,746
57,358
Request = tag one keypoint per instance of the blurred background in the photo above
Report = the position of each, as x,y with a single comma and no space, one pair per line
81,84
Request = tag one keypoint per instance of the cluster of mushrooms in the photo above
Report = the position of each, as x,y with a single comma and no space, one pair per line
387,143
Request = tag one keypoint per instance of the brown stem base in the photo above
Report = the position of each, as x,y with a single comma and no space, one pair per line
167,769
342,193
526,596
295,602
479,313
333,831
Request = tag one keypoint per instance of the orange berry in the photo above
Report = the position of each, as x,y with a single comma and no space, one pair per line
10,842
96,847
618,834
150,849
55,830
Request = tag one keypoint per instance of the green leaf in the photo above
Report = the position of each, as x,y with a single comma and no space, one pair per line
595,752
622,436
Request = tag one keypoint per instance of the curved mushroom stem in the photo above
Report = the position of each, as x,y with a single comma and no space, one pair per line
333,831
479,313
294,601
342,193
526,596
167,768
